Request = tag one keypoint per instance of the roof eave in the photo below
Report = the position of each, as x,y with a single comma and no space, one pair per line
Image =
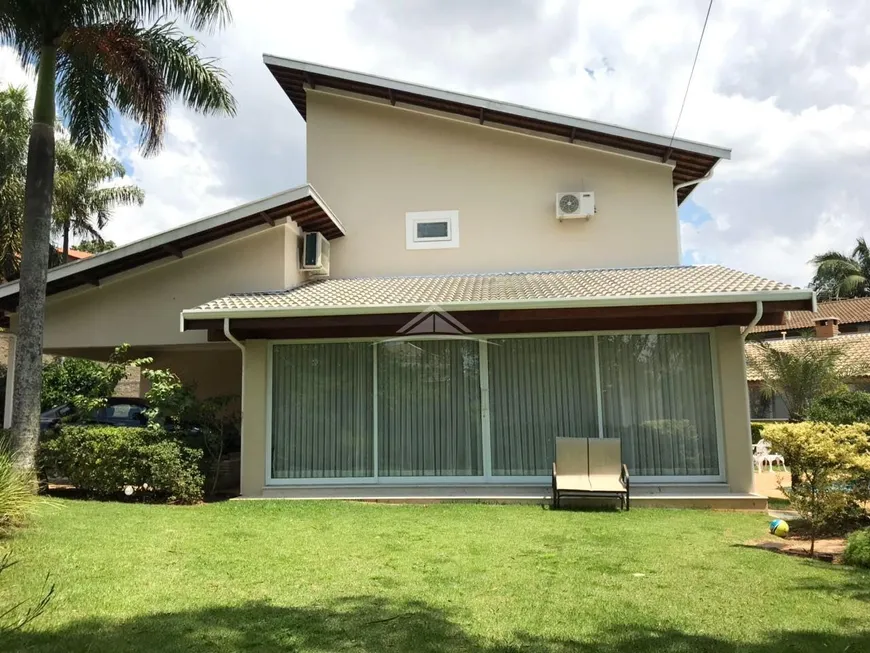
494,105
194,314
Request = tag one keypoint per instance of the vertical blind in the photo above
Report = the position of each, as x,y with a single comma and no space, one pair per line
322,422
657,397
539,389
429,421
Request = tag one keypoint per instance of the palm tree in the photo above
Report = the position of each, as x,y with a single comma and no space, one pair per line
840,276
798,371
80,193
79,186
14,129
93,56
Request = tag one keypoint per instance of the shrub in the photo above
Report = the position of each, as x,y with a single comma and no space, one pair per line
857,551
844,407
826,460
85,383
16,489
103,460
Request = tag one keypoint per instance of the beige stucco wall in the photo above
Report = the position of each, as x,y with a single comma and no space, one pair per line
254,420
734,405
373,163
214,370
143,308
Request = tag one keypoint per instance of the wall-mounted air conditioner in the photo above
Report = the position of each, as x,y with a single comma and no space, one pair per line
575,205
315,253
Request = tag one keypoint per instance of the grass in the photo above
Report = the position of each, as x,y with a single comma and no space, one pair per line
317,577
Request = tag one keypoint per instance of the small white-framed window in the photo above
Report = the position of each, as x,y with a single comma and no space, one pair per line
432,229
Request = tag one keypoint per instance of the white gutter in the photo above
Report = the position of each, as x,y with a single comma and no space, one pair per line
573,302
238,344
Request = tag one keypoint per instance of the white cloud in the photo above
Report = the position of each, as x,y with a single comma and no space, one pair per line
785,83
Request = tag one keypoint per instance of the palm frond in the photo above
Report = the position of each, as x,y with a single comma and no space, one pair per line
132,76
202,15
104,200
199,83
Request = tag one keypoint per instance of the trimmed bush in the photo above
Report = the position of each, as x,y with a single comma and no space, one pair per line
104,460
843,407
857,551
827,462
16,489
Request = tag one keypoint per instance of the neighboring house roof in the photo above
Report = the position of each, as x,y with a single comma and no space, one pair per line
302,205
847,311
581,288
76,254
855,362
693,160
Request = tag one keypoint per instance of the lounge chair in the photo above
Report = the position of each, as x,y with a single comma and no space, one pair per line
590,468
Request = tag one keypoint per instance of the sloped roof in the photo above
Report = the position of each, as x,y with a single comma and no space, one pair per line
855,362
692,160
595,287
848,311
301,204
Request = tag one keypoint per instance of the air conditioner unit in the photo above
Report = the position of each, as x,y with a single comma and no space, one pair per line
315,253
575,205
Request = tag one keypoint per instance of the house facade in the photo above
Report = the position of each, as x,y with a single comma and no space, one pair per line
447,323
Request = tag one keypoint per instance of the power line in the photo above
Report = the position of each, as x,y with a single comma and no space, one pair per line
689,83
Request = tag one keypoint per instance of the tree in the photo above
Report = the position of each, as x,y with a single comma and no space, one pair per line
79,189
80,193
14,130
93,56
798,371
95,246
840,276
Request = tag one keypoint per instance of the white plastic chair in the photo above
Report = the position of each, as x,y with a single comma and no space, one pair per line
761,455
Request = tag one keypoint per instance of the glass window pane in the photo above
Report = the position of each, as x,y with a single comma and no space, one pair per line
657,394
539,389
433,230
322,410
429,421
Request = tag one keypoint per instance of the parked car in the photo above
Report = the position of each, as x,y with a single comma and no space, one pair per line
118,411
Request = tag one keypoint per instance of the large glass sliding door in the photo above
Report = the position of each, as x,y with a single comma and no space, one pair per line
322,419
539,389
657,397
429,420
461,408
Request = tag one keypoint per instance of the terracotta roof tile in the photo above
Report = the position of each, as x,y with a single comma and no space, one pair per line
849,311
854,363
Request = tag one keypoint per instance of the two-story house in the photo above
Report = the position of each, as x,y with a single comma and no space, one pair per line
486,277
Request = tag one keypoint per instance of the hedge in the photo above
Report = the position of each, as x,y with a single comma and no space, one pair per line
105,460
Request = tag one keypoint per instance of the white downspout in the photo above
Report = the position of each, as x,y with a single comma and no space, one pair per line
759,311
677,188
241,347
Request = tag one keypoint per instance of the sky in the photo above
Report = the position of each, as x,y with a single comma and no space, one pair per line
785,84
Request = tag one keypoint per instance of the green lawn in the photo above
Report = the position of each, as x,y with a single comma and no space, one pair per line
285,576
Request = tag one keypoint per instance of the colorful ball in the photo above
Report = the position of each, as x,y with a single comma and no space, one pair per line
779,527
